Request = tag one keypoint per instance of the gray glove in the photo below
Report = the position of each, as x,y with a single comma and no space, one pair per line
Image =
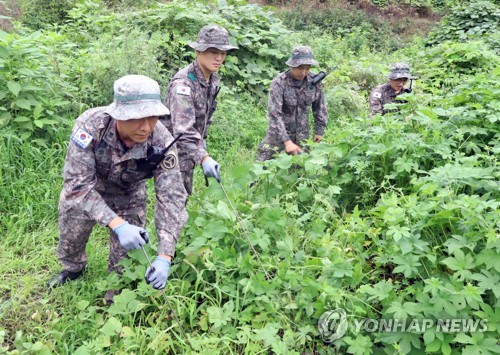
131,236
211,168
157,273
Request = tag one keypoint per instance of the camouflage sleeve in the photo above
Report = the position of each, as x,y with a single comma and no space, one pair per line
376,106
275,112
170,211
320,113
183,116
78,191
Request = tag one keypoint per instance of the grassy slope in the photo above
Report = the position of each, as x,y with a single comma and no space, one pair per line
30,232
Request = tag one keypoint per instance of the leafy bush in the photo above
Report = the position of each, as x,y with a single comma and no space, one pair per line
357,26
257,32
470,20
450,61
32,91
38,14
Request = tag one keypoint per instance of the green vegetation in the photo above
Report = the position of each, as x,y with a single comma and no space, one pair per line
389,217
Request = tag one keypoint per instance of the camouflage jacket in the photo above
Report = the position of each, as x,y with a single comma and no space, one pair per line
381,95
191,101
288,108
104,175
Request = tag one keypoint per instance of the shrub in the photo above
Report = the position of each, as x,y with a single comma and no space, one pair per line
32,91
38,14
257,32
477,18
357,26
450,61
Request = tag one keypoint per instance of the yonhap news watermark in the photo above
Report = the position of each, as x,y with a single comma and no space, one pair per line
334,324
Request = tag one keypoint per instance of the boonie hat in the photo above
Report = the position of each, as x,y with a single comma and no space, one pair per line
136,96
301,55
400,70
212,36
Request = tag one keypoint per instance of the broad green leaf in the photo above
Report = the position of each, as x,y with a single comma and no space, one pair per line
113,326
14,87
5,118
220,316
23,103
83,304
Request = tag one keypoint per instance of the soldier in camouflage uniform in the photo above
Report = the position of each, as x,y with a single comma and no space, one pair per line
290,98
191,98
386,93
105,183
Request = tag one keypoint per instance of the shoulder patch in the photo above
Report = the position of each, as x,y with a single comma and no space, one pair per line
82,138
183,90
377,95
192,76
169,162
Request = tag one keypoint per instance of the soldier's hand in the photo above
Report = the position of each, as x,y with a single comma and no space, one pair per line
211,168
291,148
157,273
131,236
317,138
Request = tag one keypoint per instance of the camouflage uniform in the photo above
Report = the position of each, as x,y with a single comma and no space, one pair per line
102,182
191,100
385,94
288,108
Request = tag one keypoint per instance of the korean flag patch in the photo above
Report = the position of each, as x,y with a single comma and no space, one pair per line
82,138
184,90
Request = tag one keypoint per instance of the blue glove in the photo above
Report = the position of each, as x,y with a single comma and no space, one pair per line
211,168
157,273
130,236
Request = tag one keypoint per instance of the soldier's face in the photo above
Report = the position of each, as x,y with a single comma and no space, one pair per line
300,72
136,131
211,60
398,84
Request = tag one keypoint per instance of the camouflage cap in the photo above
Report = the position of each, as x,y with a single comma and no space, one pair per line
400,70
301,55
212,36
136,96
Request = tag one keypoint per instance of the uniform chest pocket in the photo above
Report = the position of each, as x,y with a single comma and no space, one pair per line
131,174
289,104
103,168
309,96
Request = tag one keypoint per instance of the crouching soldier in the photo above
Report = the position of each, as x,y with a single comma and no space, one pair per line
105,174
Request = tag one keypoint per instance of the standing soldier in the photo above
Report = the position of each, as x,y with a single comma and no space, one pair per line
191,98
291,96
105,174
386,93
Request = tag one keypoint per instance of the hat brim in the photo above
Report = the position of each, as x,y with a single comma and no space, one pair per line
136,110
202,47
294,63
399,76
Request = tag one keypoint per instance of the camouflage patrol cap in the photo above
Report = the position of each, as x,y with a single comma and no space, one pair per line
136,96
212,36
301,55
400,70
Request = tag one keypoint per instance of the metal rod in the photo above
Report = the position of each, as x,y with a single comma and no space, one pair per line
168,302
240,221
